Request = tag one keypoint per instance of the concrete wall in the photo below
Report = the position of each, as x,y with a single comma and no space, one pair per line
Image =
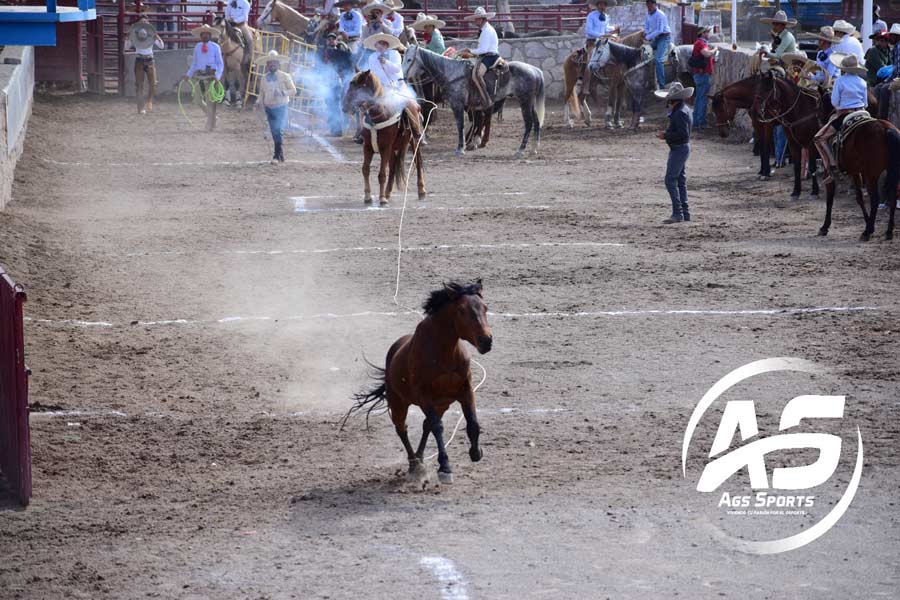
548,54
171,65
16,100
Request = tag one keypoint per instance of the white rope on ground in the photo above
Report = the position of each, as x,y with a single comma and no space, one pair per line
400,253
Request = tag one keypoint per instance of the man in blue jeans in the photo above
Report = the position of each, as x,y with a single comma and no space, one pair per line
657,32
703,55
678,137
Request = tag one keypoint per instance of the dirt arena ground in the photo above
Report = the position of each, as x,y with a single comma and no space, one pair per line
197,326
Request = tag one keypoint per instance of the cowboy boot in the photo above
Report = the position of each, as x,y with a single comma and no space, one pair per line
827,156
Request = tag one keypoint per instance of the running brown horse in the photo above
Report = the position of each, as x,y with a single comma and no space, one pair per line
390,128
871,149
741,94
800,111
430,369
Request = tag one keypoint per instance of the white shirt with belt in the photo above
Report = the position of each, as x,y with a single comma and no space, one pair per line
238,14
851,45
144,51
390,72
488,42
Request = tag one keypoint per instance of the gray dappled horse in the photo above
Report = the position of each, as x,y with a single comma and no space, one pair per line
638,71
525,82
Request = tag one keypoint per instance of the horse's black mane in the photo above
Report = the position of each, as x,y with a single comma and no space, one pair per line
449,293
625,55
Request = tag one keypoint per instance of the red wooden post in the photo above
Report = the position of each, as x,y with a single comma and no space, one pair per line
220,7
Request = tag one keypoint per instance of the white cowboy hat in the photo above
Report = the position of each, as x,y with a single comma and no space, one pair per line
375,6
480,13
212,31
675,91
789,57
142,35
847,63
394,4
844,27
272,56
780,17
392,41
422,20
895,29
826,33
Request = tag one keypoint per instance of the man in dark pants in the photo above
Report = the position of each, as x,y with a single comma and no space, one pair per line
678,137
338,72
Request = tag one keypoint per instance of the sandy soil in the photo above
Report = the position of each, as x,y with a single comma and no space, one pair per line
222,474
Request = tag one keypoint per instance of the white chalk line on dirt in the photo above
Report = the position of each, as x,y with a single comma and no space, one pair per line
88,413
392,249
684,312
226,163
325,144
300,207
453,587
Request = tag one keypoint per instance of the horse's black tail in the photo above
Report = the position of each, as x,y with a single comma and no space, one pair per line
892,178
372,400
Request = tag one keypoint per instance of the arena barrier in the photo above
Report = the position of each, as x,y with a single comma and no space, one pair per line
306,104
15,438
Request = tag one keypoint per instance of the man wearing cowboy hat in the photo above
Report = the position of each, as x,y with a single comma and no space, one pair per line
375,23
393,15
877,57
351,24
384,65
657,32
678,137
848,43
338,66
206,65
782,40
848,95
702,75
487,52
430,28
276,89
236,13
143,38
883,90
825,39
597,25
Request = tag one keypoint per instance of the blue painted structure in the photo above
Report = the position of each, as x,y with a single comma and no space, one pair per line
36,25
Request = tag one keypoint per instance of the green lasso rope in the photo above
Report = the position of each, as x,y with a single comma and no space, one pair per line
215,92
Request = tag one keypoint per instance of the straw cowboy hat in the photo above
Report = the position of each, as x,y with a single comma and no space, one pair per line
142,35
847,63
422,20
826,33
393,4
675,91
368,8
895,29
212,31
790,57
392,41
843,26
704,29
272,56
480,13
780,17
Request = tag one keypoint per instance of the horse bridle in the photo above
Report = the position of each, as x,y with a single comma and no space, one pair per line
781,116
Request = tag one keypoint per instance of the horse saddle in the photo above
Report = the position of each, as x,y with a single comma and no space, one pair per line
851,122
494,79
580,57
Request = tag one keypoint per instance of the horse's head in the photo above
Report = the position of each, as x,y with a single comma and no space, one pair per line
600,56
265,18
464,307
363,89
411,67
724,111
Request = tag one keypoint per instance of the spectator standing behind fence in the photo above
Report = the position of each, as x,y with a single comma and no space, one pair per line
702,68
276,89
678,137
657,32
167,23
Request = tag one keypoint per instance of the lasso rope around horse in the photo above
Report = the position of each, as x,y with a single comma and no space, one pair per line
400,252
215,92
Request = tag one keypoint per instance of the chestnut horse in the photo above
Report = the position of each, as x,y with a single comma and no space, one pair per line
741,94
395,130
871,149
431,370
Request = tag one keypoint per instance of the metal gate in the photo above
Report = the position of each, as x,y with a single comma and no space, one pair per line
93,67
15,438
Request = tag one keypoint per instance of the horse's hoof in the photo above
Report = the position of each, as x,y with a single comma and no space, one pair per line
422,195
518,155
864,237
470,148
460,151
445,478
383,202
814,196
888,235
620,125
475,454
570,124
823,232
417,471
795,196
764,177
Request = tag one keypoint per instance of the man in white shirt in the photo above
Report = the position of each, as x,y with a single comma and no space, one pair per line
487,52
385,63
395,17
848,44
236,13
142,37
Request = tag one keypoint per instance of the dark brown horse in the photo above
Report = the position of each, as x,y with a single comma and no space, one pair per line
870,150
741,94
430,369
800,111
395,130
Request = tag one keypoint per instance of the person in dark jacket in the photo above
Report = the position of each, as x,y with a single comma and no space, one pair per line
879,55
337,69
678,137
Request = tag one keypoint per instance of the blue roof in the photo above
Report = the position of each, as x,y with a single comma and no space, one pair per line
36,25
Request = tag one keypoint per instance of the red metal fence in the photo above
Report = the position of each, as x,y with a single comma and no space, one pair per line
15,439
